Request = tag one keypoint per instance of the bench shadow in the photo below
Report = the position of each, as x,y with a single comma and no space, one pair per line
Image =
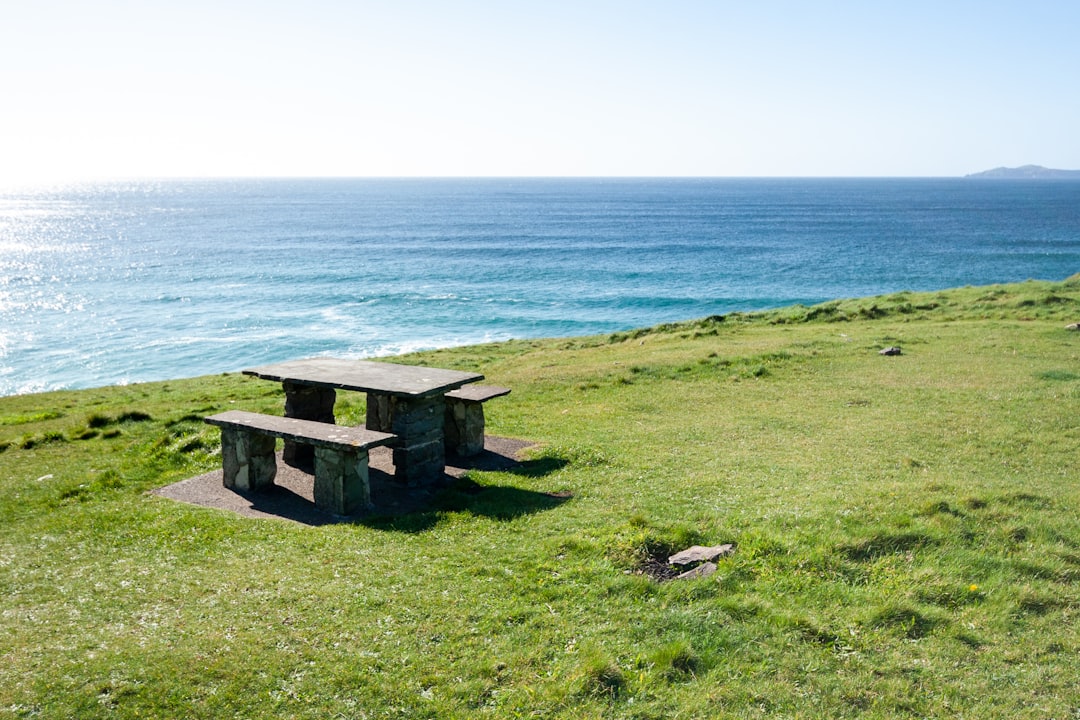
281,502
406,509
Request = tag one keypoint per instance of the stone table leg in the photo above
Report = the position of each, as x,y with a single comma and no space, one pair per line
379,412
306,402
419,456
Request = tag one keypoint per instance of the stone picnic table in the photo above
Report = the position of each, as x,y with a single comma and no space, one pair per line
406,400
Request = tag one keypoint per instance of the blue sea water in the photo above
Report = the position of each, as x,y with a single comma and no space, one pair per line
132,281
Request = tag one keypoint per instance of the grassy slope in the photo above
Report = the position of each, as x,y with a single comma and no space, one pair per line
907,529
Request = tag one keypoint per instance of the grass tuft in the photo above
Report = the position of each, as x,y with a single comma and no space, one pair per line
597,675
884,544
676,660
907,621
24,419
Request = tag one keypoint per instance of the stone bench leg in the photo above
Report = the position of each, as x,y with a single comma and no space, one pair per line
306,402
341,481
247,459
464,427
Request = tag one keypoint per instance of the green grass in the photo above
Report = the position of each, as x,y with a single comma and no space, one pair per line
907,535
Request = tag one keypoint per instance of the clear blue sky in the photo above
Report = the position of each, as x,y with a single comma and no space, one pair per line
202,88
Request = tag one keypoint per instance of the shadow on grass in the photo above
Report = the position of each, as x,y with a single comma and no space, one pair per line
490,461
884,544
420,509
907,621
499,502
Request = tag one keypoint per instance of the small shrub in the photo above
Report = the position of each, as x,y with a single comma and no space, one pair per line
87,488
74,492
196,443
577,455
1058,375
1035,603
949,595
811,633
188,418
599,676
1018,534
29,442
828,311
98,420
676,660
133,416
885,544
1030,500
754,371
109,480
939,507
910,622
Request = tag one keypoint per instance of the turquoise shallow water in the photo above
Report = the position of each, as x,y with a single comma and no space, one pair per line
123,282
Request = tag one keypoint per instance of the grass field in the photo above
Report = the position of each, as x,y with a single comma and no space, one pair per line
907,535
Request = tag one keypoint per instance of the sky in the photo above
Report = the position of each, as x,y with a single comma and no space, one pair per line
234,88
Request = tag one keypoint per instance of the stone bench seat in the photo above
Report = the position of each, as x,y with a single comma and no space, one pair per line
464,426
341,456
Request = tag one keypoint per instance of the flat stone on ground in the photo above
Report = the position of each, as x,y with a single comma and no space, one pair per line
700,553
703,570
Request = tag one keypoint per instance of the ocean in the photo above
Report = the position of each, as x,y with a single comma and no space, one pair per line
121,282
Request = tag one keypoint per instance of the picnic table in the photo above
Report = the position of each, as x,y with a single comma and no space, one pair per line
406,400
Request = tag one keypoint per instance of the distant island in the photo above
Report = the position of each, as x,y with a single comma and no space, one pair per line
1027,172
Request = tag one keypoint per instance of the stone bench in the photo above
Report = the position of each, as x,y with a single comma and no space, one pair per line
341,456
463,430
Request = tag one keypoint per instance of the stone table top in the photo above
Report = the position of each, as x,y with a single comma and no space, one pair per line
365,376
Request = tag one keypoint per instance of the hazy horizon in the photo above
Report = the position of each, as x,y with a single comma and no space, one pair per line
8,184
236,89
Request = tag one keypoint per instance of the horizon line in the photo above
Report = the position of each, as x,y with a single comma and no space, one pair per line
8,183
